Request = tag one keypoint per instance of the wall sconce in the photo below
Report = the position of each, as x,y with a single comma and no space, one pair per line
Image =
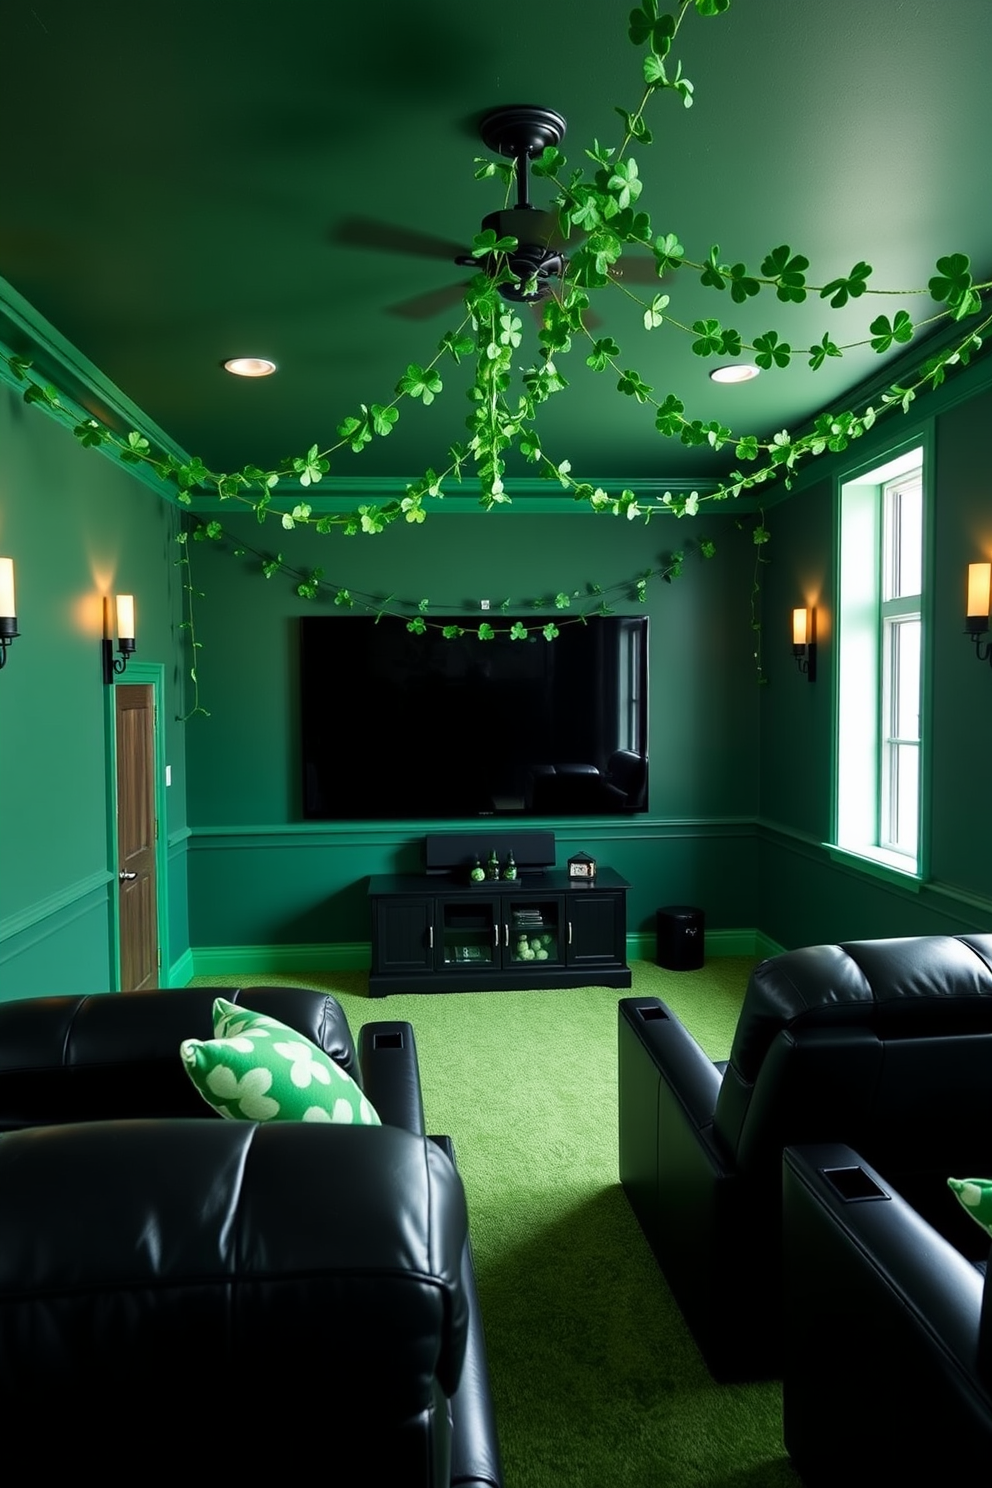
125,636
8,610
977,617
804,641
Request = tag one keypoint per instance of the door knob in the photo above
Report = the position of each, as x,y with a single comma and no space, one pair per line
126,877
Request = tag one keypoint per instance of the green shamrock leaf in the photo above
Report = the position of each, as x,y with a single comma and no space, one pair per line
602,351
884,334
742,286
312,467
417,382
633,385
354,431
787,272
839,291
668,420
485,243
652,315
383,418
818,354
770,352
668,252
89,433
710,337
713,275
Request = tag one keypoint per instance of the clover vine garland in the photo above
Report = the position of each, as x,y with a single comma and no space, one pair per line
603,205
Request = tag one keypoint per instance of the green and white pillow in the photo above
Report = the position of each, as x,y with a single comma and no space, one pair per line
975,1196
258,1069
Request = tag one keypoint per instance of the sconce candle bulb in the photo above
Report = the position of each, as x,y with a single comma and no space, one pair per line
804,641
125,617
8,609
979,585
125,637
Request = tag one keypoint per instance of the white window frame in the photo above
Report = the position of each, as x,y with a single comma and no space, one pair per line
870,760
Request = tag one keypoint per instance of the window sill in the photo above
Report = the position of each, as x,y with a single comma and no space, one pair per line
878,863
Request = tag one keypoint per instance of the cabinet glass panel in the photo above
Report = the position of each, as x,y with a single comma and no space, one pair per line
468,934
534,931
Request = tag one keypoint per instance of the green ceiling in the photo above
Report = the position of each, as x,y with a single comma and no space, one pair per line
176,184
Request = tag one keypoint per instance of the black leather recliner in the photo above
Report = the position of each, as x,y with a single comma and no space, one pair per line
177,1281
887,1309
885,1044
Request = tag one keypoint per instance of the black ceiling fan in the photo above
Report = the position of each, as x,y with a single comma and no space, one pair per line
521,132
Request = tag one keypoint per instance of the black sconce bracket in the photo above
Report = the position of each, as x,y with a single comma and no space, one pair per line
116,666
806,660
8,630
974,632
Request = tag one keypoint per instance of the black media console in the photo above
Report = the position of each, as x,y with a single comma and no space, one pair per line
439,932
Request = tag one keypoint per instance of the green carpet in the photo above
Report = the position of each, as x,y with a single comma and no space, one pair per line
596,1379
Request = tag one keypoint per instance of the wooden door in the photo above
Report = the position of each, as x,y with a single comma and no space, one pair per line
136,837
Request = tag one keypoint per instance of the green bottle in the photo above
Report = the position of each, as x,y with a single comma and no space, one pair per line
492,867
476,872
510,866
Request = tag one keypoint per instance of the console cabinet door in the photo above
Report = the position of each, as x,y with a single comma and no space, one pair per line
534,932
468,933
403,935
597,929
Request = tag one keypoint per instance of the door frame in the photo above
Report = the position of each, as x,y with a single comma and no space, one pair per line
138,674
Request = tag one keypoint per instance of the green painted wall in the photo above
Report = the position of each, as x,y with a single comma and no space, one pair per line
257,872
805,897
76,527
740,774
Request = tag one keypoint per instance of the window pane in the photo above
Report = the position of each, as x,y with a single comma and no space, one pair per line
906,763
906,679
880,658
905,517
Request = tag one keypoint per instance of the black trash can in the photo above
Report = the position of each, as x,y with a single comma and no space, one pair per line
680,937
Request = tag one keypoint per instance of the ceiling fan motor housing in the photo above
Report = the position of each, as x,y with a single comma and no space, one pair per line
533,258
522,131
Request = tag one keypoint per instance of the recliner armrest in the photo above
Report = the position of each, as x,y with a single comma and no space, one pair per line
880,1307
475,1454
387,1058
676,1055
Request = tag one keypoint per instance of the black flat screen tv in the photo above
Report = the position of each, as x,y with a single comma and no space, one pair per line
407,726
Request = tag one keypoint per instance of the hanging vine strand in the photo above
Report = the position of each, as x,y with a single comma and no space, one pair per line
602,205
605,207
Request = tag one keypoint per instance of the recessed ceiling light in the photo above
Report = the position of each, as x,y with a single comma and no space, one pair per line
250,366
736,372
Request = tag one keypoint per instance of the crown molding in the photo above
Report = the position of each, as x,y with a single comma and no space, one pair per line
85,392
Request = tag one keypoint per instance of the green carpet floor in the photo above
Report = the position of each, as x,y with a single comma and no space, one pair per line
596,1379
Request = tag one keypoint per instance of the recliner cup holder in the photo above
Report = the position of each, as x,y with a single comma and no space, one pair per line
853,1184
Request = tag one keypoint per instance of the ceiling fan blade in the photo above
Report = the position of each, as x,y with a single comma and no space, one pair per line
434,302
638,270
366,232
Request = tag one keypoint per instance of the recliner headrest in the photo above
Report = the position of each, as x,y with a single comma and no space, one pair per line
903,985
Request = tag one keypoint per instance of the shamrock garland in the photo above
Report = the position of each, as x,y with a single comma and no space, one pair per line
604,206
